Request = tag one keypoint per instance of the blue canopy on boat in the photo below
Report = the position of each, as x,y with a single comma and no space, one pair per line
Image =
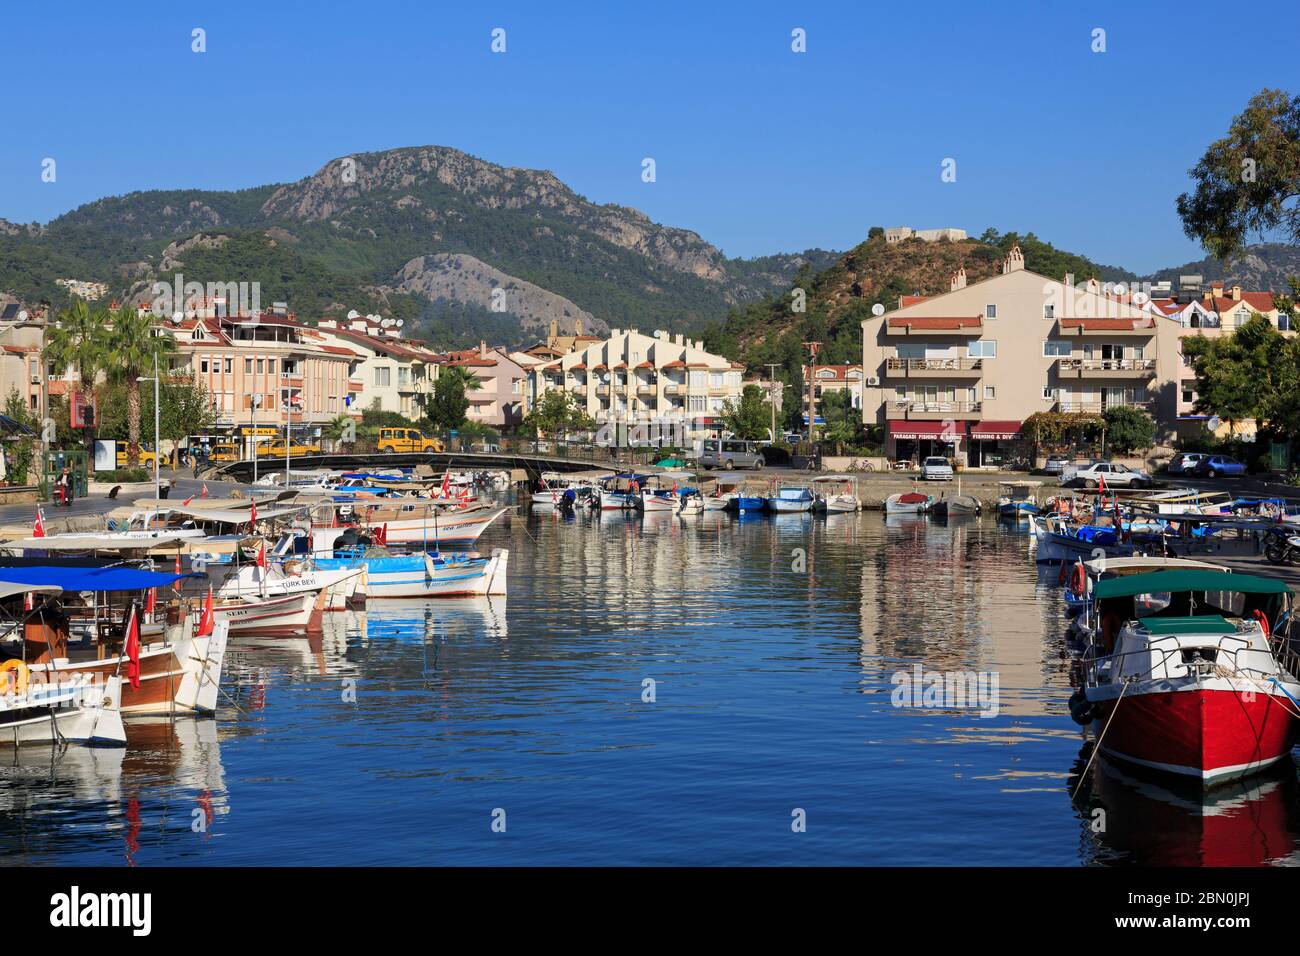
90,579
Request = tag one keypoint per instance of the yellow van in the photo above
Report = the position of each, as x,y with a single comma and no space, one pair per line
225,451
146,458
406,440
275,449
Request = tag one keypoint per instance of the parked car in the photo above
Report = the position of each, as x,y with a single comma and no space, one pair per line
1056,464
730,453
406,441
146,458
275,448
1114,475
1217,466
936,468
1185,462
224,451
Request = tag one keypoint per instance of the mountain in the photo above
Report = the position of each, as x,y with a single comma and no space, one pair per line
1265,266
420,232
838,298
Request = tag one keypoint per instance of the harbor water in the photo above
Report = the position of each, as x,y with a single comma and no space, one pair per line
655,690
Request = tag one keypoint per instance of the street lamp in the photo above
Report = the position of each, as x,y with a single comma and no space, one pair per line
255,401
157,446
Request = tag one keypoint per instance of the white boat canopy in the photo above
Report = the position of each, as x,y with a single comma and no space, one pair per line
108,541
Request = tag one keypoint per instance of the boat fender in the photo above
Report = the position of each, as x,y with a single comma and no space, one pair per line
1078,579
1260,616
23,672
1081,711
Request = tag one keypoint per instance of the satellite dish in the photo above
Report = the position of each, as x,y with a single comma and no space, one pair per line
877,309
1214,423
1141,298
22,316
178,317
401,322
353,314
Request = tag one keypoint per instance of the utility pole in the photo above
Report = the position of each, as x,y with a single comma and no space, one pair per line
813,348
771,393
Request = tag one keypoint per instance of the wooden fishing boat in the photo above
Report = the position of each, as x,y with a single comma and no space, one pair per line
790,498
908,503
1186,673
1018,499
428,575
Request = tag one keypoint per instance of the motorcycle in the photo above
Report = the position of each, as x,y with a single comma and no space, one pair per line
1282,546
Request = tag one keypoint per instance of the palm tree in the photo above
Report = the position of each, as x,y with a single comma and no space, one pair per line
340,427
78,339
468,379
133,347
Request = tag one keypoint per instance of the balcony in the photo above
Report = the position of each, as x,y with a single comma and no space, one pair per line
933,411
674,388
1105,328
602,389
1106,368
934,368
1098,407
644,389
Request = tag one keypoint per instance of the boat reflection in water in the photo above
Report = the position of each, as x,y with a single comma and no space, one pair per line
1132,816
111,806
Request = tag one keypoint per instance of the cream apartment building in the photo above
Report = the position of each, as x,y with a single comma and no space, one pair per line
957,374
391,374
631,381
266,369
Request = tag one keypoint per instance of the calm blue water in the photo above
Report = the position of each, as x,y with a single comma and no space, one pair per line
395,737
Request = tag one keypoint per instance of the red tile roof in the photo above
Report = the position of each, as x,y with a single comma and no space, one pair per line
905,300
938,322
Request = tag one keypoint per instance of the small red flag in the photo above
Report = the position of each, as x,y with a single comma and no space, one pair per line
187,501
383,534
253,514
261,556
133,649
178,562
204,492
446,483
28,602
38,528
207,623
151,601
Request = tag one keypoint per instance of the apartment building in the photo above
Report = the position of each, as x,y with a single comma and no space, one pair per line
957,374
500,399
631,379
1218,311
834,378
391,374
264,369
22,333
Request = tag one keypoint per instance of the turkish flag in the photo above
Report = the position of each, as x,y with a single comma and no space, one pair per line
261,556
252,520
204,492
187,501
446,483
383,534
38,527
207,623
133,649
151,601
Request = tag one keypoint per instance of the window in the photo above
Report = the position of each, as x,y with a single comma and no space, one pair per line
990,311
697,403
990,392
1284,322
1049,311
1189,394
248,366
203,366
261,366
1139,353
1056,348
270,366
382,377
1241,316
230,365
716,379
985,348
1049,393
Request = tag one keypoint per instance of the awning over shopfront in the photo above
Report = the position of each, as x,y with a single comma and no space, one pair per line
995,431
915,431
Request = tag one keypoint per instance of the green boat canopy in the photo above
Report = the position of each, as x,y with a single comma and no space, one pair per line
1188,579
1191,624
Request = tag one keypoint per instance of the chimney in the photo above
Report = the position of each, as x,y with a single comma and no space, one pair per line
1236,293
482,348
1069,280
959,279
1015,261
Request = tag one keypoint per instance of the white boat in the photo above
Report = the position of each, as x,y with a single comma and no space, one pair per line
437,530
692,504
659,499
284,574
75,711
837,495
429,575
286,615
908,503
790,499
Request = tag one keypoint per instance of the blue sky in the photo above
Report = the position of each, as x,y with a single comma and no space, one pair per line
757,148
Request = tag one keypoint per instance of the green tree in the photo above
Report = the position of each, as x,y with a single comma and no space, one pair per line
750,417
448,404
843,421
1237,374
1128,429
79,340
338,428
20,453
1248,181
556,413
135,349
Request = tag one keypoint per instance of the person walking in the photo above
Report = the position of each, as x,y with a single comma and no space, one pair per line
65,487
